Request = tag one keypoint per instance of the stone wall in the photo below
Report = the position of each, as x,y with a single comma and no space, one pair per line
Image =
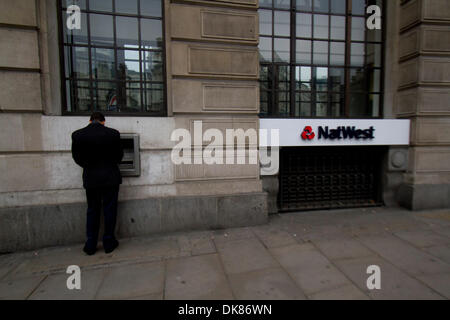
214,79
211,51
37,166
424,97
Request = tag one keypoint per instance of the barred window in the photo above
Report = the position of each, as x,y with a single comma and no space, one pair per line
115,63
318,59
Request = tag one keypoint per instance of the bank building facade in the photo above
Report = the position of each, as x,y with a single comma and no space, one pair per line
356,92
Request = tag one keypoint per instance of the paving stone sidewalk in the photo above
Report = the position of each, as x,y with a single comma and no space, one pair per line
312,255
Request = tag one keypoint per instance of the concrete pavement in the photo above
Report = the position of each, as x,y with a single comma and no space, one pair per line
312,255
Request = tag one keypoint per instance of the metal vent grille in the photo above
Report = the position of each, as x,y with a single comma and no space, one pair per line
331,177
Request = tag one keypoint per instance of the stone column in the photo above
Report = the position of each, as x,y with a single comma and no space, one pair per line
20,68
213,73
213,79
424,97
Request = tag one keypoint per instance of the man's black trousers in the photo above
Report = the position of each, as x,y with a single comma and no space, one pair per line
97,198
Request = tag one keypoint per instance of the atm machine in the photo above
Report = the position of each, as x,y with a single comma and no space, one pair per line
131,164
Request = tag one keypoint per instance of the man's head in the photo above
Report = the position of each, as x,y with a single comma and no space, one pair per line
97,117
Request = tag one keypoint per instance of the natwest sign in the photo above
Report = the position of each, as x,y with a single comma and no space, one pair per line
338,132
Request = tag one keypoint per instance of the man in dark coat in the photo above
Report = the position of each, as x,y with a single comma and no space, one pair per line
98,150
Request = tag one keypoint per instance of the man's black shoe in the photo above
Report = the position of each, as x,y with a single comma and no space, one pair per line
89,251
110,246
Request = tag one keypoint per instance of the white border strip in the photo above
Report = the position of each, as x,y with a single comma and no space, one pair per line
387,132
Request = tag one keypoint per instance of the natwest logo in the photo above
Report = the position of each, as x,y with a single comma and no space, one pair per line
339,133
308,133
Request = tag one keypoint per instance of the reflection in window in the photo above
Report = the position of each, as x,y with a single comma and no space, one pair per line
265,3
76,36
320,52
127,6
152,66
128,65
282,50
321,26
100,5
337,53
373,55
78,65
101,29
265,22
333,75
80,92
357,55
265,49
338,6
103,67
127,32
80,3
151,34
359,105
358,29
303,52
304,5
151,8
321,5
358,7
115,63
304,25
282,4
282,23
338,28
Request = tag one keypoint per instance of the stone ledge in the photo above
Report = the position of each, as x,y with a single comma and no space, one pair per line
424,197
28,228
19,49
18,12
415,12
